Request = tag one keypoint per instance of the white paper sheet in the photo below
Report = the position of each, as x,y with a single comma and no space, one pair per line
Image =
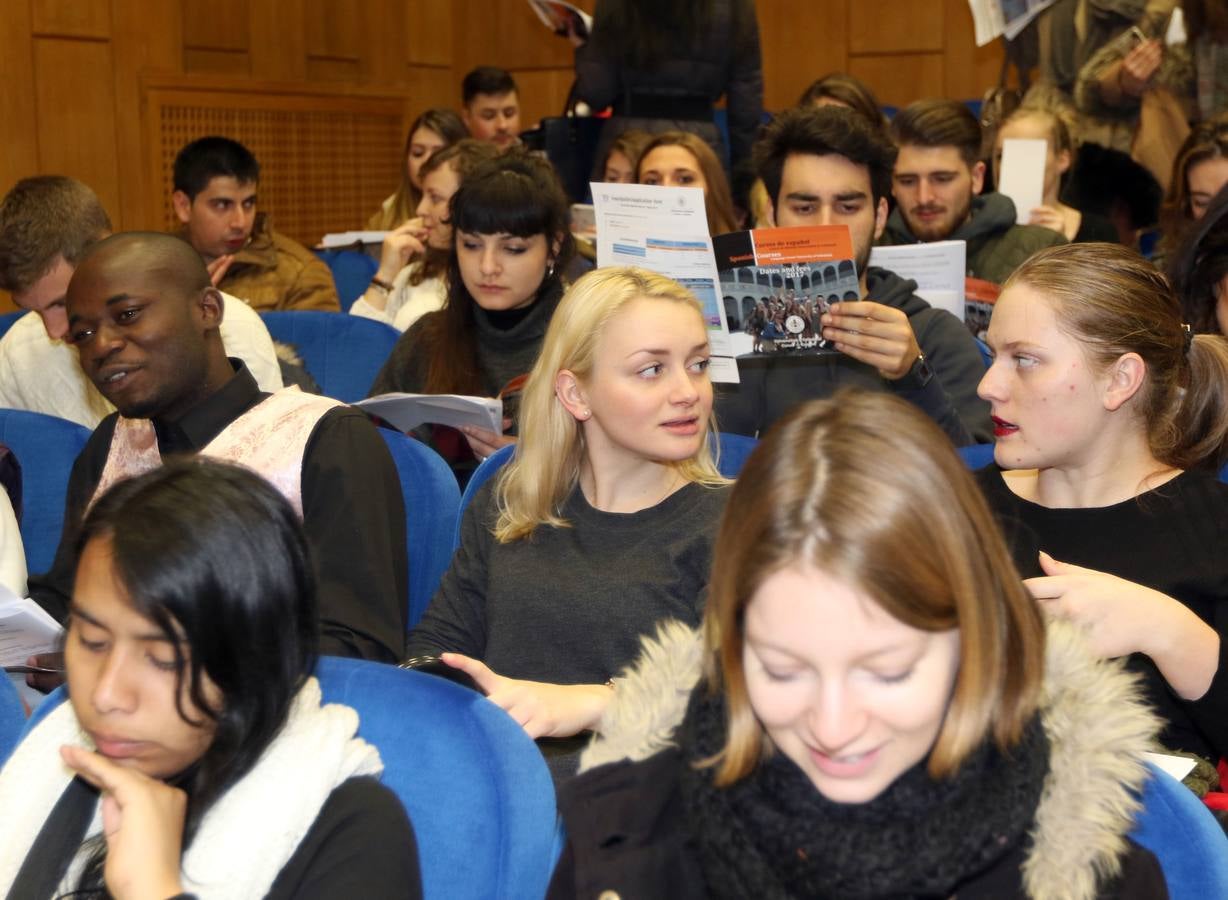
938,268
350,238
1023,175
408,411
1176,766
25,629
665,230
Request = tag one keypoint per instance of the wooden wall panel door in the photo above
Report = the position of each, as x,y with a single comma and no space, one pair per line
71,18
216,25
279,39
76,113
970,70
888,26
428,33
430,86
899,79
146,38
18,104
800,40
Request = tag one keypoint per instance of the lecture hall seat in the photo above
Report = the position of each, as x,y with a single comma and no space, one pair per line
474,785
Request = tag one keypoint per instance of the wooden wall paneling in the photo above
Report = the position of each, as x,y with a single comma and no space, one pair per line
900,78
970,70
279,39
217,62
146,39
18,104
384,49
71,18
429,86
884,26
216,25
75,92
428,32
543,92
333,30
800,41
325,69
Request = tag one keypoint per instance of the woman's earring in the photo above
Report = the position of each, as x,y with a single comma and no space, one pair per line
584,414
550,269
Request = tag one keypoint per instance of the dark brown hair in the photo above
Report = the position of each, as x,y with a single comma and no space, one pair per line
514,193
849,91
718,201
939,123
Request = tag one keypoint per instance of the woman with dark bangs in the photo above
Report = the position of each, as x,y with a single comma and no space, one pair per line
510,243
194,756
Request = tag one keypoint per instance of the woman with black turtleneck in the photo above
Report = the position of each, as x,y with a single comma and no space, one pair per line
511,241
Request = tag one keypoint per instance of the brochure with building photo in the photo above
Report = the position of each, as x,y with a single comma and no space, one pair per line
776,283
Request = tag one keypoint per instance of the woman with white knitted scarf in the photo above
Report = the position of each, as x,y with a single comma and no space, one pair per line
194,757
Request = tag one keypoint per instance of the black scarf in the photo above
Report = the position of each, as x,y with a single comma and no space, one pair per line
772,835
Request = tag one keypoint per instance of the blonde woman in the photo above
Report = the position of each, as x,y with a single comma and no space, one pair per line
602,523
874,708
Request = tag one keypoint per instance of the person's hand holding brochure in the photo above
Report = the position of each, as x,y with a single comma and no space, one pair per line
408,411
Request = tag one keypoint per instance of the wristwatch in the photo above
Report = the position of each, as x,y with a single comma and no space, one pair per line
919,375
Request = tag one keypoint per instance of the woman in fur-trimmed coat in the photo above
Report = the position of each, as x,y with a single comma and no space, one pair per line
846,729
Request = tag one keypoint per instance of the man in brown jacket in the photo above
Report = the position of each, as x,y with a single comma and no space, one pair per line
215,182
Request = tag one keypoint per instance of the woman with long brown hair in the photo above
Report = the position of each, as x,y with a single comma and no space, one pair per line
510,244
873,708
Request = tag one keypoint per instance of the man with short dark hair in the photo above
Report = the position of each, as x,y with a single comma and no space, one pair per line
215,181
828,166
937,185
490,106
46,225
144,317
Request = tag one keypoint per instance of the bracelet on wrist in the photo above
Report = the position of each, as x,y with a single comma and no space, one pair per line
382,285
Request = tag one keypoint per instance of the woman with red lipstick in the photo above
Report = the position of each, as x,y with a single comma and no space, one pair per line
602,523
511,241
873,707
1110,418
204,762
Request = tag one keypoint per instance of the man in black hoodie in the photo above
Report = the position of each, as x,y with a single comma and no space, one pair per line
827,166
937,186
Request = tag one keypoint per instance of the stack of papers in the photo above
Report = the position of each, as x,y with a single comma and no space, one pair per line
25,629
350,238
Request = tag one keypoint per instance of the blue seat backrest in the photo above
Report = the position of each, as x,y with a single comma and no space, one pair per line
733,451
976,456
432,506
343,353
352,273
46,448
12,718
8,320
1185,837
474,785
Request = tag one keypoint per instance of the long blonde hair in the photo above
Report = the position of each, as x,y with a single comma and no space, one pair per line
546,466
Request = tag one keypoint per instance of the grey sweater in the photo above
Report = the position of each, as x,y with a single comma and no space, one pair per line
570,605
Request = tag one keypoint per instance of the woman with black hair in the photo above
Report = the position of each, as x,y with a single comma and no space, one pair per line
511,241
204,762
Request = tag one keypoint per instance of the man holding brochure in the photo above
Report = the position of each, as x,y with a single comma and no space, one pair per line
144,318
937,186
825,166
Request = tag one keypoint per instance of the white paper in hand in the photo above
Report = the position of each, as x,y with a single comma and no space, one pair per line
408,411
25,629
1023,175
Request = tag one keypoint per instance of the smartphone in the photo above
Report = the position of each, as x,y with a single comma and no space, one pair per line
433,665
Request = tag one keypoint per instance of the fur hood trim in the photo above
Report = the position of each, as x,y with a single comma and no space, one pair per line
1094,715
